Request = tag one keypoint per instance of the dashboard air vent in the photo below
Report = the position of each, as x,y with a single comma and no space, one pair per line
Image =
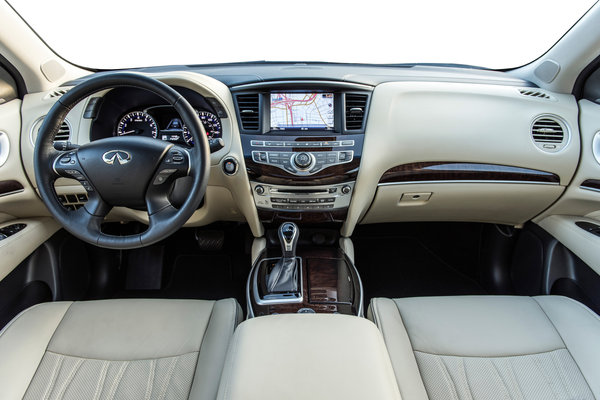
356,107
56,93
535,93
249,109
549,133
64,132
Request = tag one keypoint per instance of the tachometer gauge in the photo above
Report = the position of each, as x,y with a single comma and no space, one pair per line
212,126
137,123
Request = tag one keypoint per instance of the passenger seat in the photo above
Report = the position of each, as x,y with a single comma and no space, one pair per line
491,347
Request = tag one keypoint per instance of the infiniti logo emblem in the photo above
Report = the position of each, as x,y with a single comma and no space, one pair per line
121,156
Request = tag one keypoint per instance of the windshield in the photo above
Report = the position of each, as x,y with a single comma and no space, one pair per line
123,34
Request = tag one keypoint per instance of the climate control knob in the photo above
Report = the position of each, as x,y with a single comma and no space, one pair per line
302,160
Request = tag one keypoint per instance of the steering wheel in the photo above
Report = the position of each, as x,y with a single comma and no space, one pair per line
128,171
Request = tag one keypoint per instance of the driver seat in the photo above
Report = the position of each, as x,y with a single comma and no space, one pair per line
112,349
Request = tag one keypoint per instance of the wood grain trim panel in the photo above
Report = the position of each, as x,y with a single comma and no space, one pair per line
321,273
593,184
7,187
460,171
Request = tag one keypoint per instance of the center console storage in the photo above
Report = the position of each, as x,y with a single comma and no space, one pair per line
308,357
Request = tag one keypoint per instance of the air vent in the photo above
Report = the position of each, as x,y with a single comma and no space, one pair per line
356,107
535,93
64,132
549,133
56,93
249,109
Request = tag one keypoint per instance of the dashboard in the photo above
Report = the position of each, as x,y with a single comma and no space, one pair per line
346,145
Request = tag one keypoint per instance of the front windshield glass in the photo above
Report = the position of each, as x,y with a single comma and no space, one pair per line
122,34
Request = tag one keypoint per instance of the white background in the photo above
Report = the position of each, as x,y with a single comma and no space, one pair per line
125,33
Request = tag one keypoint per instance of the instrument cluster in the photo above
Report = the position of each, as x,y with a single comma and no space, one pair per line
164,123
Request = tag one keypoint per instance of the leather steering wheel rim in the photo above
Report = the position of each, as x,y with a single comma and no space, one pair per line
144,154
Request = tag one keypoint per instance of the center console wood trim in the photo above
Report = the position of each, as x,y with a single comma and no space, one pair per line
321,279
461,171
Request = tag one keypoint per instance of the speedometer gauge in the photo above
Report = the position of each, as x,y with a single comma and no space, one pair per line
212,126
137,123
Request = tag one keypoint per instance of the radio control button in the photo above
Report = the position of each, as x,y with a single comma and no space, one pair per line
302,160
259,190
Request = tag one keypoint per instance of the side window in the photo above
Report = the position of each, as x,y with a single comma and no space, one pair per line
8,86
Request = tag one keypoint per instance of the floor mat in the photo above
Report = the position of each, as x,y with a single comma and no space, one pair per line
393,266
210,276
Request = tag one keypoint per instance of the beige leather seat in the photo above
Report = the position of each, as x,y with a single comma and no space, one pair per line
491,347
115,349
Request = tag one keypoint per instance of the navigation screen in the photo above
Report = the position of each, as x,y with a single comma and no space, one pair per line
301,111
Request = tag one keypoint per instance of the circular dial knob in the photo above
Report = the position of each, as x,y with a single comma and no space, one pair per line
302,160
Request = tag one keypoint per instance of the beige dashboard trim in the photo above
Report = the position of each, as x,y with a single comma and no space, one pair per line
579,200
16,248
413,122
494,202
585,245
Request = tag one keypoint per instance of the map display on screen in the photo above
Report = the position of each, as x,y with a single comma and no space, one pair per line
302,111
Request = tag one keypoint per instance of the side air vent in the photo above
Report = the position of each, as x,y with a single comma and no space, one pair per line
535,93
56,93
64,132
549,133
356,108
249,110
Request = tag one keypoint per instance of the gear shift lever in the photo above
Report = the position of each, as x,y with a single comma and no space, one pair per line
288,237
284,275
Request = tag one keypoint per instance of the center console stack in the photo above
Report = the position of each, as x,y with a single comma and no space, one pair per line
302,143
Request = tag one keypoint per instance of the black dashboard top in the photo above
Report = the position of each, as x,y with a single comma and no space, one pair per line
237,74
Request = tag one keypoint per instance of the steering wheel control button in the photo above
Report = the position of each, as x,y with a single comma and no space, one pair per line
163,175
74,173
86,185
230,166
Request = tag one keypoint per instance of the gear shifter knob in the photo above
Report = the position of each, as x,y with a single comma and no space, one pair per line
288,237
